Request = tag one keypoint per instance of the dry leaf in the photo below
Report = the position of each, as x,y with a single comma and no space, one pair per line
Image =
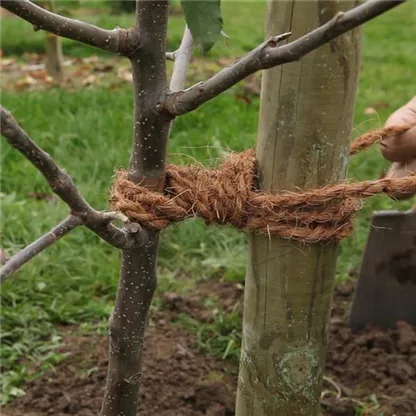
91,59
370,110
91,79
103,68
33,57
125,74
25,82
41,76
7,62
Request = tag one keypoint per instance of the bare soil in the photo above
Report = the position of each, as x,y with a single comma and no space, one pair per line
372,372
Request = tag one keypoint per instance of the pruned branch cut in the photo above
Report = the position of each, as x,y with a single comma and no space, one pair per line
122,41
63,186
271,54
42,243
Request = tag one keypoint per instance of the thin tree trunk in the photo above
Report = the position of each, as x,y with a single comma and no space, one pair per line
306,117
54,55
147,165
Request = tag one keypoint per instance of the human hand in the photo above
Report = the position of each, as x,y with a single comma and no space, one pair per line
401,150
403,147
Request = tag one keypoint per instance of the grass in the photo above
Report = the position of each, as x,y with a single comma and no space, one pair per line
74,282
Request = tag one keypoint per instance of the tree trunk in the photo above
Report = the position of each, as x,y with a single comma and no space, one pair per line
147,166
306,116
54,55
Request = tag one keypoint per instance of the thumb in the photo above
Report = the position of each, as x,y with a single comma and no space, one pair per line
403,147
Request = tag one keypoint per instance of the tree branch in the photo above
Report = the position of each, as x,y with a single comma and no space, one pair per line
269,54
182,58
123,41
63,186
42,243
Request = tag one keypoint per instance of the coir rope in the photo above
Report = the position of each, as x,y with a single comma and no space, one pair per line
228,195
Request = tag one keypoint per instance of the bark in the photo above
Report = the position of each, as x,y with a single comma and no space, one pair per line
306,117
147,166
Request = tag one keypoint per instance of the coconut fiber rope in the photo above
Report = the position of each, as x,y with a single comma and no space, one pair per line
228,195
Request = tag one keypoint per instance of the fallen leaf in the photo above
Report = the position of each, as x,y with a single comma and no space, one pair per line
91,79
125,74
103,68
7,62
25,82
34,67
91,59
33,57
41,76
370,110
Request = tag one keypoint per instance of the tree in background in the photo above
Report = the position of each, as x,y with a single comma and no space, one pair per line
54,53
53,47
287,299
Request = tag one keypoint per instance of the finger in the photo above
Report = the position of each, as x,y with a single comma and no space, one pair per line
400,170
404,115
401,148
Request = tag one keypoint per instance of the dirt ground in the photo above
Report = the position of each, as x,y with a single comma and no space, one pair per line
372,372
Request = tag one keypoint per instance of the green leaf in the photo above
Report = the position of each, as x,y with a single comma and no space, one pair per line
204,21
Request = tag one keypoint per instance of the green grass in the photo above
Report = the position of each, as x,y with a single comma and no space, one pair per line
18,36
75,280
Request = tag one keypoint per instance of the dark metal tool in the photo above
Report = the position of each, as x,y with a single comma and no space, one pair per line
386,289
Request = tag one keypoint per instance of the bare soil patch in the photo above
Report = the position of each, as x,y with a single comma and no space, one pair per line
372,372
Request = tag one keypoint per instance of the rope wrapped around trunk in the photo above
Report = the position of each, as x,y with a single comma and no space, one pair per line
229,195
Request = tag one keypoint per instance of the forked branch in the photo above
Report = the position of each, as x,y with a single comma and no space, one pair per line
63,186
270,54
122,41
33,249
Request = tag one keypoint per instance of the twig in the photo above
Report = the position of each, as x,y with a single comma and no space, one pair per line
182,58
33,249
123,41
269,54
335,385
63,186
170,56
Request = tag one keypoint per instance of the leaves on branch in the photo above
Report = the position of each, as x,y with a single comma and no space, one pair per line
204,21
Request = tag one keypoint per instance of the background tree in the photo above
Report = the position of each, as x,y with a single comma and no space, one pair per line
156,106
54,53
53,47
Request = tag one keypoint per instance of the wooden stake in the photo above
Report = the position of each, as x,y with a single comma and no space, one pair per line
306,116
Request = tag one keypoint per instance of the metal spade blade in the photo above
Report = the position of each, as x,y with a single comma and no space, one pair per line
386,289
